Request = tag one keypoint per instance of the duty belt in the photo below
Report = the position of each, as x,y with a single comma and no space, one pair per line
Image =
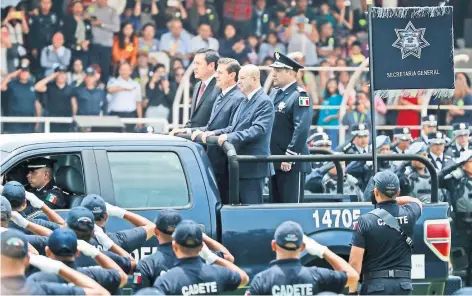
387,274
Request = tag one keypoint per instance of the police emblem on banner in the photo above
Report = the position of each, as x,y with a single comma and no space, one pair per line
413,49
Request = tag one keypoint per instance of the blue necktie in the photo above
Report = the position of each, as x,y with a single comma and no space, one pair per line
217,102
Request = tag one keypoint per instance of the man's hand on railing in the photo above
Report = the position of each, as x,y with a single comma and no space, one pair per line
177,131
222,138
205,135
195,134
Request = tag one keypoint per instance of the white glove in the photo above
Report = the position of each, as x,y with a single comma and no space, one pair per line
34,200
46,264
19,220
3,229
208,255
115,211
87,249
104,240
314,248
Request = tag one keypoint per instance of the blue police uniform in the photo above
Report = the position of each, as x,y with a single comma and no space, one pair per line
428,120
191,275
289,276
90,101
454,150
386,265
439,161
151,267
401,134
314,180
293,116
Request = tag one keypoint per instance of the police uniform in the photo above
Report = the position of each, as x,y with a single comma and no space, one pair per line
289,276
320,140
438,161
400,134
386,265
454,149
429,120
63,243
52,195
191,275
358,130
151,267
293,115
15,247
351,186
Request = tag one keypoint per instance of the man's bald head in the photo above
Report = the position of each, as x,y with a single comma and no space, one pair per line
249,79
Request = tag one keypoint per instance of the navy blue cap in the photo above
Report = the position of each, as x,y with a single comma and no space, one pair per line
460,129
167,221
429,120
89,71
81,219
24,67
360,130
5,207
60,68
387,183
13,244
188,234
96,205
402,133
63,242
14,192
40,162
437,138
289,236
321,139
283,61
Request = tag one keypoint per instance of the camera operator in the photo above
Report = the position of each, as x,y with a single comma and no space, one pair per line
160,93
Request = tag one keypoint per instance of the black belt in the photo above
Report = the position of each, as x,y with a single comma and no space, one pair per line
387,274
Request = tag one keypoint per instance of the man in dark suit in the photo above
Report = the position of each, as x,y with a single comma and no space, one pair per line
222,116
205,91
293,115
250,134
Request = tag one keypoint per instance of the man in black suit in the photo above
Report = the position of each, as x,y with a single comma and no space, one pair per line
205,91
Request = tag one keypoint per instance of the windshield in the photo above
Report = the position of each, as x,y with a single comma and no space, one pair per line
3,156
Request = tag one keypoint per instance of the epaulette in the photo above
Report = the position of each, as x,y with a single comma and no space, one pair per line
301,89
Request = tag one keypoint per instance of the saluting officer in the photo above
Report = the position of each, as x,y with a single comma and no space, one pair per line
461,141
293,115
287,276
359,142
437,142
191,275
381,243
401,140
429,124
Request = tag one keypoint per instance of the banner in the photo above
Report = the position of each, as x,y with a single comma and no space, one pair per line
413,48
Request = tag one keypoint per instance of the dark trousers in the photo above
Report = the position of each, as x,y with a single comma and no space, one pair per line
250,190
387,286
101,55
222,182
287,187
129,127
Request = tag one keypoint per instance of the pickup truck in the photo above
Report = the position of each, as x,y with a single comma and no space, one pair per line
147,172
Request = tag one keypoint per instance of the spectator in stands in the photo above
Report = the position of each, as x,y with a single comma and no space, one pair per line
160,93
88,99
126,98
462,97
200,12
55,55
105,22
329,116
78,33
21,100
260,19
57,99
143,71
77,74
343,78
270,46
264,74
176,64
325,45
344,17
98,76
280,23
238,13
10,53
325,15
172,9
204,40
176,43
407,117
302,37
131,15
355,55
177,78
360,114
233,46
360,18
16,25
253,45
302,9
125,46
148,10
147,42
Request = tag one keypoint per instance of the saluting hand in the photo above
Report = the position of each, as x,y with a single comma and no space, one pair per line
286,166
222,138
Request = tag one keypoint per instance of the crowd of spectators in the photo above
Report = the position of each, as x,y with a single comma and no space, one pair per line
127,57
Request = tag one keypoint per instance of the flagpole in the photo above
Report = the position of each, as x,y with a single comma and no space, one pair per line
372,98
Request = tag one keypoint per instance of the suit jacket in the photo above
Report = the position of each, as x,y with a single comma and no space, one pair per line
250,133
201,112
68,29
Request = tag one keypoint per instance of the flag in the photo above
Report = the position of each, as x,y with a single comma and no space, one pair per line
304,101
137,278
51,198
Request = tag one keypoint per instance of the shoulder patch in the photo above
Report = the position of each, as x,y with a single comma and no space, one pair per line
303,101
301,89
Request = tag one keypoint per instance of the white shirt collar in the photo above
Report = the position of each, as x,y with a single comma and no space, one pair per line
460,147
363,150
250,95
288,85
208,80
436,158
227,90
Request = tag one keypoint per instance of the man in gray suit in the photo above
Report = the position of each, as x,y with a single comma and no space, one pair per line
250,134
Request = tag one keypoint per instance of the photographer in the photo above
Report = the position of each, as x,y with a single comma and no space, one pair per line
160,93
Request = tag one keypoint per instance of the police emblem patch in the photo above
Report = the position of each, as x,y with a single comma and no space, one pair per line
304,101
51,198
281,107
277,55
410,41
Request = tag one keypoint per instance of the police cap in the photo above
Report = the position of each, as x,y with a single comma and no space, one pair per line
381,141
436,138
63,242
321,139
96,205
40,162
89,71
13,244
429,120
188,234
14,192
60,68
387,183
167,221
360,130
289,236
284,62
402,133
417,147
5,208
460,129
24,66
81,219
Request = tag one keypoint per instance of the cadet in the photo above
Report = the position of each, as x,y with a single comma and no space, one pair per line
320,141
461,141
15,259
129,239
359,142
436,155
401,139
429,124
287,276
44,187
329,181
191,275
381,243
64,247
293,115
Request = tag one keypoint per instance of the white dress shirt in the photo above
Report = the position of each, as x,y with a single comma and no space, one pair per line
250,95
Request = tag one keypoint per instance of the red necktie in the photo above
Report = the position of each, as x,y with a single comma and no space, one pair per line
200,92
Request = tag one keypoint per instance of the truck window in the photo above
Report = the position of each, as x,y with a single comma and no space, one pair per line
148,179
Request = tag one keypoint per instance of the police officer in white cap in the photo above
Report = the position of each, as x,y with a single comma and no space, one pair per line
461,141
401,139
429,124
360,140
437,142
